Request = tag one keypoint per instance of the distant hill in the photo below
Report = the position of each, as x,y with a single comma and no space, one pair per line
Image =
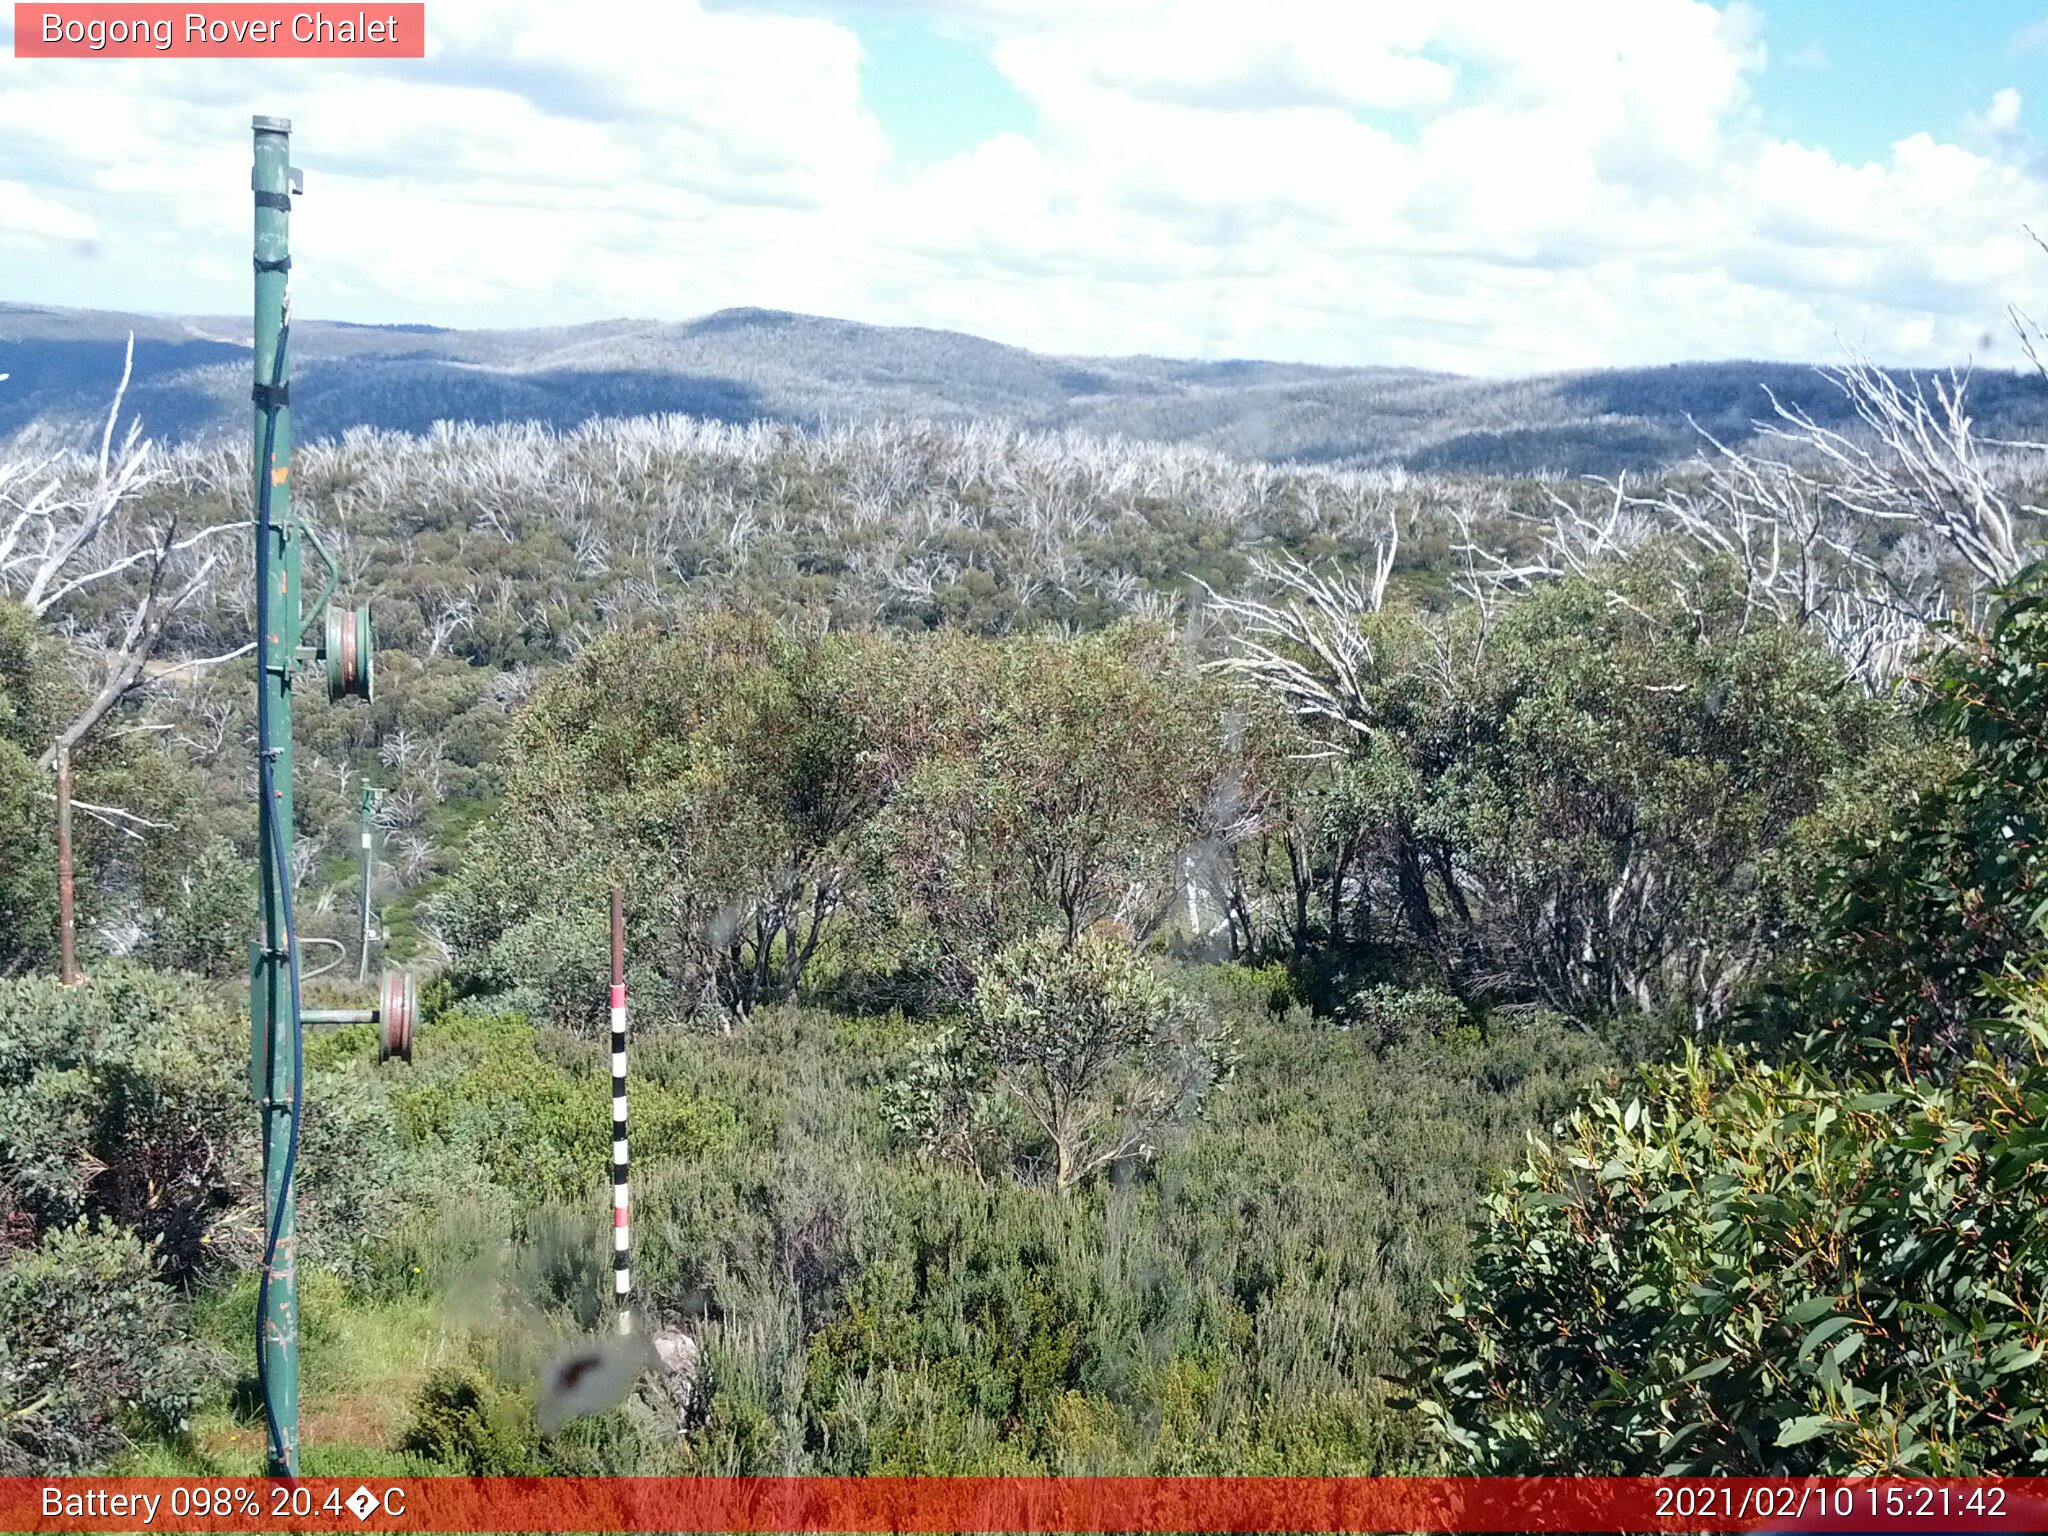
192,380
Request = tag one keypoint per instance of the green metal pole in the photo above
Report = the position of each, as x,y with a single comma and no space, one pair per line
272,995
368,852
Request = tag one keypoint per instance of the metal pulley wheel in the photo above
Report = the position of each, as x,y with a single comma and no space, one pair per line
397,1007
347,649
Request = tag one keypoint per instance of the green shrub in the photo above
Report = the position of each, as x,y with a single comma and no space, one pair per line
1388,1015
1828,1264
1913,916
1235,1308
205,925
1726,1269
464,1422
363,1184
90,1351
483,1089
1269,989
126,1097
942,1100
1101,1052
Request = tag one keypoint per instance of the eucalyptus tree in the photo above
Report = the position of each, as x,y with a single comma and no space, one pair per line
711,772
1571,795
1042,781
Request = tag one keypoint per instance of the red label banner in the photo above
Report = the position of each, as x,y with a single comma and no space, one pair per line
998,1504
215,31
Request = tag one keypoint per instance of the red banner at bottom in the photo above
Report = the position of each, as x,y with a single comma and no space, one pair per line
995,1504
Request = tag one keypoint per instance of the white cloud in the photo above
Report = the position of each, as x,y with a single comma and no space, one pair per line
1592,187
1483,185
28,218
1220,55
2028,39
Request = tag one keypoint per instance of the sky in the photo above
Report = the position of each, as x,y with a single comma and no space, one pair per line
1483,186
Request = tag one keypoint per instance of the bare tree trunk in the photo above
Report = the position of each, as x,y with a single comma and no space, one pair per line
67,914
1237,910
1301,870
1413,887
1065,1177
1347,850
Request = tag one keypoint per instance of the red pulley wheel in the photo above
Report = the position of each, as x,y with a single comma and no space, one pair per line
347,650
397,1008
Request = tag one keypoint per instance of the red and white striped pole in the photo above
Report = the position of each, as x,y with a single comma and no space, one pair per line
622,1232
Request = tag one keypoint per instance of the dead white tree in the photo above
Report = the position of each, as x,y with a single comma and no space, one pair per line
205,730
1574,540
1308,644
1869,536
64,535
447,614
1869,539
398,749
1922,466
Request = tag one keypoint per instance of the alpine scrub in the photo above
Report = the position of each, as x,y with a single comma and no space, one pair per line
1823,1251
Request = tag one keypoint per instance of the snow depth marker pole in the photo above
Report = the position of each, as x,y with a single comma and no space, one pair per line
622,1239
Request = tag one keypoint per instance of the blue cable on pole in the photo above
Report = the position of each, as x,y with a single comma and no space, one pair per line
274,851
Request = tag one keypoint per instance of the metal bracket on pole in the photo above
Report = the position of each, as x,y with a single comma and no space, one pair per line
333,577
398,1006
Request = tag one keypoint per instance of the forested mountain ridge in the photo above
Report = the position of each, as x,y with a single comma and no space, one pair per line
744,365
